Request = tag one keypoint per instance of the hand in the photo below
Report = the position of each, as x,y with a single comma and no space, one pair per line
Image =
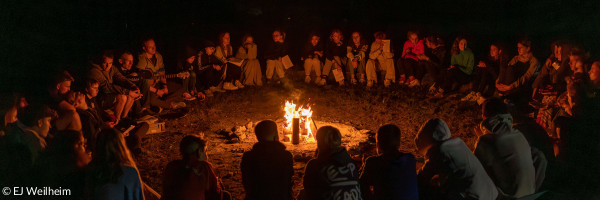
160,93
135,94
217,67
355,63
481,64
451,66
163,80
126,133
133,74
166,90
109,124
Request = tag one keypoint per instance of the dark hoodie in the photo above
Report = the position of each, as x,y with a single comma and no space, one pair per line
267,171
461,175
333,176
276,50
392,176
506,156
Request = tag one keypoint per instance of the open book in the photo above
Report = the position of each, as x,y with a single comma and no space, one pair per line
287,63
386,46
236,61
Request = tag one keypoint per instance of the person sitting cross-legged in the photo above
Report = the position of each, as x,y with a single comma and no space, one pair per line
392,174
191,177
333,174
267,169
451,171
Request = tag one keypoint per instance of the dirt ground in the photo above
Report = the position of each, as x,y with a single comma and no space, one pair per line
354,109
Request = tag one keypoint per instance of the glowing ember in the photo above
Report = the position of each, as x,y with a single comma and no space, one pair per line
304,114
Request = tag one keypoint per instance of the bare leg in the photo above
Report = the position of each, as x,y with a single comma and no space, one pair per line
121,100
127,107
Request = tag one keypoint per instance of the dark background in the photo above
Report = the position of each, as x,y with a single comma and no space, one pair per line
40,37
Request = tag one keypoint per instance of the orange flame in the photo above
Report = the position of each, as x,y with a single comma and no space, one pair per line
304,114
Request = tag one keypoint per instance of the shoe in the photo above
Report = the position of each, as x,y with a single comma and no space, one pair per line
469,97
307,79
438,95
370,84
188,97
175,105
208,93
408,81
238,84
353,81
414,83
341,83
480,100
229,86
317,80
432,88
362,81
216,89
322,82
387,83
402,79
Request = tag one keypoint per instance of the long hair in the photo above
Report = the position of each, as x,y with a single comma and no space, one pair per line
225,48
246,36
455,50
361,42
110,154
380,35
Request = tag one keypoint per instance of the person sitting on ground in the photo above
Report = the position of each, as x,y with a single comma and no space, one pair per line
233,73
31,131
514,79
274,54
335,57
392,174
434,60
117,93
356,53
313,52
380,60
188,64
486,73
125,67
192,177
551,79
94,119
61,100
20,102
409,68
333,174
267,169
461,67
155,92
517,169
63,163
112,174
210,70
450,171
252,74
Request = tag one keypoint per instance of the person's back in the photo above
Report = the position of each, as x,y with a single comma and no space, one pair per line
506,155
193,182
392,174
128,186
392,177
267,169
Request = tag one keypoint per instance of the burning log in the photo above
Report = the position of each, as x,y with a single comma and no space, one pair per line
296,131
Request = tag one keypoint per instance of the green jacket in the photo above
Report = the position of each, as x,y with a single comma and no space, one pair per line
464,61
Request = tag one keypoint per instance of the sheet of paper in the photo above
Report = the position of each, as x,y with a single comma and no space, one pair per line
287,62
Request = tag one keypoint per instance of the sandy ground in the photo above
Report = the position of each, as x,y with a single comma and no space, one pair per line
357,111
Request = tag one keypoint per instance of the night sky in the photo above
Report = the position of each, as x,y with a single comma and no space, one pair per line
39,37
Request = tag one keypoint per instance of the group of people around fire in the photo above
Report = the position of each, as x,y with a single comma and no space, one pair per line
87,138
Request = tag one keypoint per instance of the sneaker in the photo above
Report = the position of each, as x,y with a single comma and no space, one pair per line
408,81
341,83
317,80
307,79
387,83
322,82
229,86
370,84
353,81
480,100
469,97
208,93
432,88
216,89
362,81
438,95
175,105
414,83
239,84
188,97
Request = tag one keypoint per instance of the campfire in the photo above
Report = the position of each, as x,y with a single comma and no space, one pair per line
298,123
